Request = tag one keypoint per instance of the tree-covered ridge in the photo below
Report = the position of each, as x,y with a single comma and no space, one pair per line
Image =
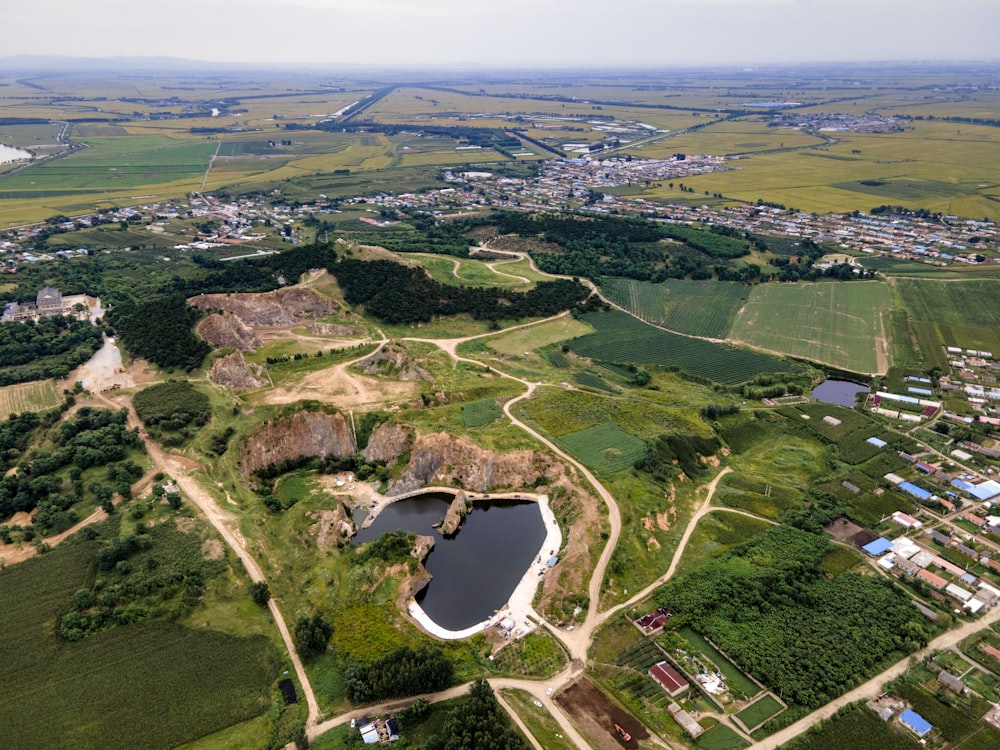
160,329
47,348
769,606
395,293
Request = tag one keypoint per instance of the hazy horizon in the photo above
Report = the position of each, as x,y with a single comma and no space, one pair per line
519,34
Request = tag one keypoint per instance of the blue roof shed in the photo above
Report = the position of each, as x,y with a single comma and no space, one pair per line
915,722
879,547
911,489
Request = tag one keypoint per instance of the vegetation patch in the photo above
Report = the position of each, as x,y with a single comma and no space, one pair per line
172,411
604,448
482,412
28,398
698,308
852,726
760,711
624,339
209,680
48,348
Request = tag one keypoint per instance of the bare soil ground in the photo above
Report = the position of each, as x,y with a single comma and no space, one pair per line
596,714
338,386
841,529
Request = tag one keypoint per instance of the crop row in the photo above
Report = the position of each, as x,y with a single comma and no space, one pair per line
622,338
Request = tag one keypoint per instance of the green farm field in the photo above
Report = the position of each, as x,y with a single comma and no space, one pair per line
605,448
179,683
698,308
954,312
624,339
836,324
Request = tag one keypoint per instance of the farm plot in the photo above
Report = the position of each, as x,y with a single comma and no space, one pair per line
698,308
179,683
839,324
605,448
760,711
960,313
622,338
23,397
479,413
111,164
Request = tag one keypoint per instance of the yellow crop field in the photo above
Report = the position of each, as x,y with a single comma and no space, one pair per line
38,395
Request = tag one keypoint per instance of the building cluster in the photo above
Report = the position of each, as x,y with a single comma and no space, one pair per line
48,302
837,122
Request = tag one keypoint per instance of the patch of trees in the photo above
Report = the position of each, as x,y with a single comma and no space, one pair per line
172,411
478,724
157,572
768,604
395,293
48,348
398,674
683,450
312,635
51,479
160,329
390,548
712,412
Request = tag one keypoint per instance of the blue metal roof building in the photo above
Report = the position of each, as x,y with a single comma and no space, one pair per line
879,547
915,722
911,489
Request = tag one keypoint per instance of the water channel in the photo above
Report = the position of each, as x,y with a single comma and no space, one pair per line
475,571
841,392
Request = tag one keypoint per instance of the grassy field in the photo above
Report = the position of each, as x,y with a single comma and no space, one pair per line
38,395
535,337
840,324
716,533
480,413
760,711
954,313
622,338
698,308
604,448
180,683
539,721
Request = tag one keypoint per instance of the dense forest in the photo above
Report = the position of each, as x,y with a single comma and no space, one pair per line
769,605
48,348
477,724
395,293
172,411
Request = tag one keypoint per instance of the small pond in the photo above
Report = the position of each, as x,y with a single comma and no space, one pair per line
477,570
841,392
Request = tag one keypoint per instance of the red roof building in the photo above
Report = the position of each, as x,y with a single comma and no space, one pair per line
669,679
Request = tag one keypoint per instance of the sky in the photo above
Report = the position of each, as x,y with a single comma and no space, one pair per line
509,33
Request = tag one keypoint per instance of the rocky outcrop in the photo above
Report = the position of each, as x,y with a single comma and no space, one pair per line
444,459
388,442
455,515
394,361
331,329
308,433
283,307
333,527
234,372
228,331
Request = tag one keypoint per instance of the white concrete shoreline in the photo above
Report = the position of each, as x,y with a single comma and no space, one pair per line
519,605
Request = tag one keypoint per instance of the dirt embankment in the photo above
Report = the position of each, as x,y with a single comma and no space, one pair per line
394,361
333,527
302,434
226,330
233,371
283,307
331,329
448,460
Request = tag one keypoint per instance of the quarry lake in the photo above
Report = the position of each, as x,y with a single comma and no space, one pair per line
475,571
841,392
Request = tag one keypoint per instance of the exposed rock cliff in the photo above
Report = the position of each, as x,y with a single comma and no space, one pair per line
227,330
283,307
303,434
444,459
332,329
388,442
233,371
456,513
